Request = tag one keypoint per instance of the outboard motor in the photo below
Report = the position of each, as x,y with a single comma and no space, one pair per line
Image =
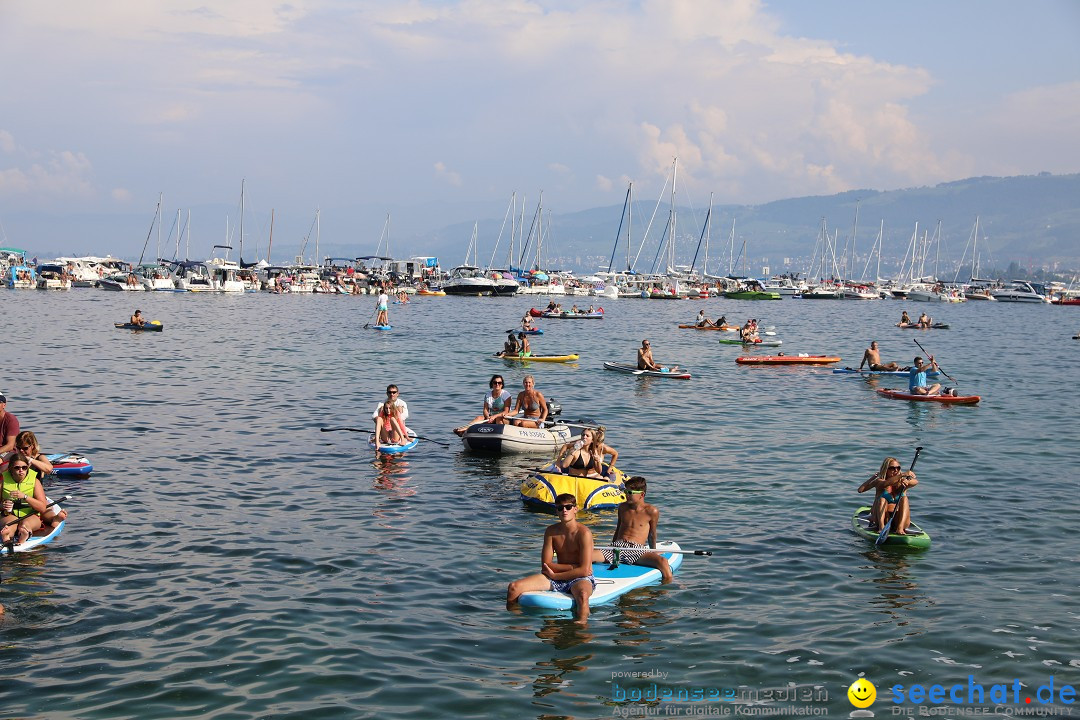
554,408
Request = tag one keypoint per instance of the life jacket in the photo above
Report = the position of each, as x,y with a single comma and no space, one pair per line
26,487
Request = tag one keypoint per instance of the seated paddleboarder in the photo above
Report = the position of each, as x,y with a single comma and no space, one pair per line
527,323
872,358
389,427
891,485
636,531
572,544
524,350
925,321
917,379
905,320
645,360
510,347
703,321
137,318
531,404
21,499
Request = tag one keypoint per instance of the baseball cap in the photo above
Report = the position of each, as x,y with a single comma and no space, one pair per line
3,398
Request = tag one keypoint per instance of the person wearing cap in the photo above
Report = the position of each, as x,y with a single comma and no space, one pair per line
9,428
137,318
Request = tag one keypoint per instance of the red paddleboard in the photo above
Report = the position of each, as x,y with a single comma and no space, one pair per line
946,399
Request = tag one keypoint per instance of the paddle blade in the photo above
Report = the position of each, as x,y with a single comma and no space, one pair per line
884,533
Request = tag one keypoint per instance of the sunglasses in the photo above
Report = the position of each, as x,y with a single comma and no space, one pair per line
894,467
391,392
20,467
565,508
635,492
497,382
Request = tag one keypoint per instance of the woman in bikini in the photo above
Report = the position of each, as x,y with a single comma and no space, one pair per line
497,405
531,404
891,484
577,458
391,429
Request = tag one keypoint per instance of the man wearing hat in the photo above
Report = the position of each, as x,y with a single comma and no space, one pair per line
9,427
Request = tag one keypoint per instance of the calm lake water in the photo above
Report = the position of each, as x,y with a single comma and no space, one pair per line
227,559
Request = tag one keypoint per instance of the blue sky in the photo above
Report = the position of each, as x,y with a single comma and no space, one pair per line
435,112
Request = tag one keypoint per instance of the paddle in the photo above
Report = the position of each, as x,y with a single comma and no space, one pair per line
887,525
939,366
700,553
361,430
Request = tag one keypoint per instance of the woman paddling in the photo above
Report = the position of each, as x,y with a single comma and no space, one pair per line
891,485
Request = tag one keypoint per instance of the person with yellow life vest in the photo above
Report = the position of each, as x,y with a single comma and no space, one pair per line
21,499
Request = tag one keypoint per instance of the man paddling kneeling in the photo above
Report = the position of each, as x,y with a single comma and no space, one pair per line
636,531
572,543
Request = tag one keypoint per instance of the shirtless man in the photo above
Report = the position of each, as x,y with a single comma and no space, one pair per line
924,321
137,318
645,359
872,358
532,403
572,543
636,531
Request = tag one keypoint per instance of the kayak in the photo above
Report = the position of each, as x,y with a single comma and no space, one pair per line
860,524
498,438
610,584
853,371
722,328
542,486
632,369
574,316
751,343
944,399
152,326
540,358
915,326
787,359
394,449
42,536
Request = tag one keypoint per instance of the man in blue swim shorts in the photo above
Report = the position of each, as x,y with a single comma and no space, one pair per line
572,544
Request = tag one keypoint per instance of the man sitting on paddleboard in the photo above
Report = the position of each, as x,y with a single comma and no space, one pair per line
636,531
917,379
873,358
924,321
572,544
891,485
645,359
402,408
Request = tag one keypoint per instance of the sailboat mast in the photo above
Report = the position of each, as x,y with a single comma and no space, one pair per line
671,236
271,247
974,247
241,221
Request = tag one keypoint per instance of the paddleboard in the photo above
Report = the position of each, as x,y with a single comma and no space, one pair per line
944,399
610,584
915,326
70,464
854,371
787,359
382,327
752,343
540,358
534,331
43,536
632,369
860,524
394,449
723,328
153,326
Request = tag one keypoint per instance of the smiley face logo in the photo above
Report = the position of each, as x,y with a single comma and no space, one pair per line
862,693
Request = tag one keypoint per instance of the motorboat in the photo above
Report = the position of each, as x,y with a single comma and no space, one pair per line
1020,291
52,276
468,280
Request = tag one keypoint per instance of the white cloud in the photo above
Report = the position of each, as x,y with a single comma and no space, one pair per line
7,142
604,184
59,173
121,195
447,174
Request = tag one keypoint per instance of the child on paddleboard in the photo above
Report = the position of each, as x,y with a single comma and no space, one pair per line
571,573
636,532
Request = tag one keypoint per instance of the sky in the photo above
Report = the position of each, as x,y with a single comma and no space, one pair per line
434,112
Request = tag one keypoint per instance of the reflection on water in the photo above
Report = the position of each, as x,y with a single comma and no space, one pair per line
898,595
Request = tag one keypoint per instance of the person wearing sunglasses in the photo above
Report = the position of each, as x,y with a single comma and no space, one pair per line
27,443
645,359
496,406
891,484
572,544
21,499
9,427
392,396
635,530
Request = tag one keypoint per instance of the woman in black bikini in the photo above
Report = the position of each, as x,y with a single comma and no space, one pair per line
577,459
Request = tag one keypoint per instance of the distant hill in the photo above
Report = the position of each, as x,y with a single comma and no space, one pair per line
1030,220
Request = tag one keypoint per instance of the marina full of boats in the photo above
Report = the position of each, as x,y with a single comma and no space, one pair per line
423,276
